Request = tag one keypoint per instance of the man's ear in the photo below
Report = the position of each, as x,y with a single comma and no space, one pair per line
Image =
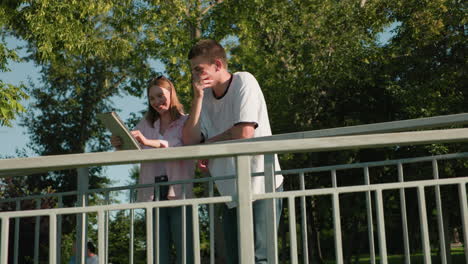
219,64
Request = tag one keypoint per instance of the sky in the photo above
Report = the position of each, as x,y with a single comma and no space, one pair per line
15,137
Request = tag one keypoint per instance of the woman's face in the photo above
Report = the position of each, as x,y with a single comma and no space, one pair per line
160,99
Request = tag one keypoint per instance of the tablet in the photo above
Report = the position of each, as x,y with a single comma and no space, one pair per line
117,127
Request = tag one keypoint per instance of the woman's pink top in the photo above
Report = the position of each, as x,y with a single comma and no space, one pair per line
175,170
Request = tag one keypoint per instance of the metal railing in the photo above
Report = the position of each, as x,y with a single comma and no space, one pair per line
291,143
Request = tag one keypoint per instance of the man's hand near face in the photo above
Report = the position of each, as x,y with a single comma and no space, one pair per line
199,85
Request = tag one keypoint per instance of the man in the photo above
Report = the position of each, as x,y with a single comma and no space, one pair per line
229,106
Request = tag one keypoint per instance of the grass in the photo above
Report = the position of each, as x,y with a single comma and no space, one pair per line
458,257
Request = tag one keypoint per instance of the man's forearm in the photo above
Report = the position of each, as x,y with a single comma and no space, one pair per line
191,132
240,131
226,135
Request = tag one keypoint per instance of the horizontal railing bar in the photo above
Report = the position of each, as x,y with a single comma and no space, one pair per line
224,199
384,127
38,196
356,165
119,188
370,164
138,186
283,172
114,207
59,162
361,188
350,166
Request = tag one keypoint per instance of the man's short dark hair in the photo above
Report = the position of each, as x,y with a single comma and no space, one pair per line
91,247
210,49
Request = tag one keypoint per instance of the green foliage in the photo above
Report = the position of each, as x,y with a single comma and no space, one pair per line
316,62
10,97
70,27
119,238
426,58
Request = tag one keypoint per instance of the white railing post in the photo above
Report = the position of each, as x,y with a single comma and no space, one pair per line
404,217
305,240
381,227
106,230
149,235
212,224
37,233
244,211
196,234
292,230
184,228
370,219
464,216
132,228
4,241
82,188
337,220
424,227
102,244
59,231
440,220
270,187
52,239
17,227
156,232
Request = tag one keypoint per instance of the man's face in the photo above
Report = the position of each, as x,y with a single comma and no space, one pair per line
203,69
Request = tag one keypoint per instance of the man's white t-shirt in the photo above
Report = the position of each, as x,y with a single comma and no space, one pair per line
243,102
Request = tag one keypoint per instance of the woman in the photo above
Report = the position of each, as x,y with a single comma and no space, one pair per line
162,128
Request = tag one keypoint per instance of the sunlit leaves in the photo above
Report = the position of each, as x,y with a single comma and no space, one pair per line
10,97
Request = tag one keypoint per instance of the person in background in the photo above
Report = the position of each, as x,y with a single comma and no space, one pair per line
91,257
162,128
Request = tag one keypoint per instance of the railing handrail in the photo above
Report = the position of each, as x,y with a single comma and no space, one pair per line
383,127
115,188
24,166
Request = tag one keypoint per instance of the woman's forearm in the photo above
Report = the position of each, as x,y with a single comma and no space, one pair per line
154,143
